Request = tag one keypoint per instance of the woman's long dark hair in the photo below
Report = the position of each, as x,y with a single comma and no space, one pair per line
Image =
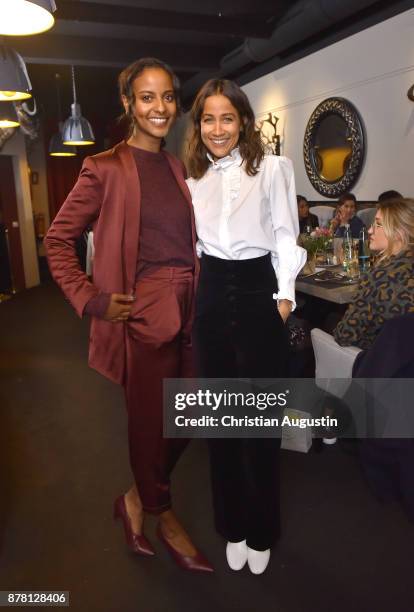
250,142
126,81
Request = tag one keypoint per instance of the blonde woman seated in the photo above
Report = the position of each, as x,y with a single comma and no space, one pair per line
387,290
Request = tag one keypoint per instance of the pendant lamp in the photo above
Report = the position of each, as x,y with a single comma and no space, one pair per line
8,115
24,17
14,80
77,130
56,146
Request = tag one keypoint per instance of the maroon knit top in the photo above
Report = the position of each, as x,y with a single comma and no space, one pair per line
165,227
165,223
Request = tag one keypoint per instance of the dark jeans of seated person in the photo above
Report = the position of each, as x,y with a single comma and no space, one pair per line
320,313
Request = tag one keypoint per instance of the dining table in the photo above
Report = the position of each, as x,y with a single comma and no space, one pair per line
328,284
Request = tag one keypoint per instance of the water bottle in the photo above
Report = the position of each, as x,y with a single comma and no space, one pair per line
347,248
364,252
350,255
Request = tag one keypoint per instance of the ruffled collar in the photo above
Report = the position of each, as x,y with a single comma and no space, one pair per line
234,159
232,171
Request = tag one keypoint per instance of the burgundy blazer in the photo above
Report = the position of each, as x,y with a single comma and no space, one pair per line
107,195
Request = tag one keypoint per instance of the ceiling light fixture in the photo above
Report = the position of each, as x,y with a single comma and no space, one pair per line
14,80
77,130
25,17
56,146
8,115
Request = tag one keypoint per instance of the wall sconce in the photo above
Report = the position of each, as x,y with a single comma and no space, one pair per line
410,93
268,131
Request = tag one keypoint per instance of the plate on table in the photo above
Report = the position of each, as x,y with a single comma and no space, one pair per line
317,270
329,276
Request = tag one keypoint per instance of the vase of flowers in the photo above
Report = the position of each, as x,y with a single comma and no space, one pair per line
319,241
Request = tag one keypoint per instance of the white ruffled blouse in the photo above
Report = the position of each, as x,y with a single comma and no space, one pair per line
242,217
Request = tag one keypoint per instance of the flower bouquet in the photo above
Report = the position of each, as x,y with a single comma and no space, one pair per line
317,242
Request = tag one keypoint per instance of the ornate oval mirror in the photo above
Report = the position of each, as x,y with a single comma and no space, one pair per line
334,147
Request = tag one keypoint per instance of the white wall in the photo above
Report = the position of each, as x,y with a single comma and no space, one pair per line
372,69
16,147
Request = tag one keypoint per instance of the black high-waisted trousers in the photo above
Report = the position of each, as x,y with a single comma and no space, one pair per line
239,333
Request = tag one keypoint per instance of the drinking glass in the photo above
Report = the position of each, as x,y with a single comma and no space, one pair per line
338,250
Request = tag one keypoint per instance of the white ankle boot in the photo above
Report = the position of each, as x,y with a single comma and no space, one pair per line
257,560
236,553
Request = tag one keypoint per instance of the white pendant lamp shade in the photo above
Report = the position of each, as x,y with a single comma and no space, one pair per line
77,130
57,148
24,17
8,115
14,80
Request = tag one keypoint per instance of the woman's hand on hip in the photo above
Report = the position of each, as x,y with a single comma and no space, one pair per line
119,308
285,308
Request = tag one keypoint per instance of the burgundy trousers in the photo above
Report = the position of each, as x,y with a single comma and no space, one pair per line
158,346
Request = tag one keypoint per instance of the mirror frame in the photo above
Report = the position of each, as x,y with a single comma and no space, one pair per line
347,112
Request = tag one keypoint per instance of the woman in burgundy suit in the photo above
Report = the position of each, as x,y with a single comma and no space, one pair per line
141,297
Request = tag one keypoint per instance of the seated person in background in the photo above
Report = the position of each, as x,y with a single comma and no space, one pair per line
387,289
306,218
345,214
391,194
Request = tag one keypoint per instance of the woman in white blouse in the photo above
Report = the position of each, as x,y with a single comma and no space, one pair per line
247,225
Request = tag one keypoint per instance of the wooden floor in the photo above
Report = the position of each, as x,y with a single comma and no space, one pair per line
63,460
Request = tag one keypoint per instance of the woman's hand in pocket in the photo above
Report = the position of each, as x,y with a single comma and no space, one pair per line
119,308
285,308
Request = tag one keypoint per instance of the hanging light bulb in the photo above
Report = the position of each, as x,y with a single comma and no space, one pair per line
14,80
77,130
56,146
8,115
24,17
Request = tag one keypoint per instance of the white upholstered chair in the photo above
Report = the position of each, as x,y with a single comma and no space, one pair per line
333,365
367,216
324,214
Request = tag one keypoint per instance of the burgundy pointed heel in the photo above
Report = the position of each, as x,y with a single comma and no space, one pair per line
138,543
197,563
